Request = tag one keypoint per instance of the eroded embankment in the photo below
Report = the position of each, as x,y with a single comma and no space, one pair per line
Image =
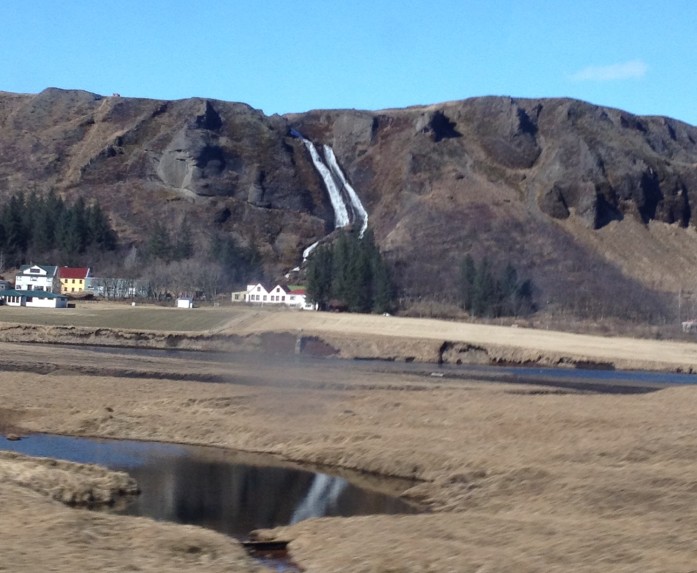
325,344
70,483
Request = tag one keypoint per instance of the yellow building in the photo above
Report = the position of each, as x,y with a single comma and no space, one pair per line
73,279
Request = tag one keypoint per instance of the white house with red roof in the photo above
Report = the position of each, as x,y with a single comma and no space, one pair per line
295,296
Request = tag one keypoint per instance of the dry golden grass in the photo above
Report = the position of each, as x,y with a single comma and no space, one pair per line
353,335
119,316
69,483
517,479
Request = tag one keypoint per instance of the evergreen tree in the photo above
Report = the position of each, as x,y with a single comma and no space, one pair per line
383,287
523,298
16,235
352,272
38,227
483,293
79,228
340,278
360,278
33,207
100,234
320,270
66,234
44,234
508,288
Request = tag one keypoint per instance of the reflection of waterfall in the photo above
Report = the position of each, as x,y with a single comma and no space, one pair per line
341,216
323,494
356,205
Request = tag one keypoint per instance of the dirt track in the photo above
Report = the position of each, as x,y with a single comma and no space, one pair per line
518,478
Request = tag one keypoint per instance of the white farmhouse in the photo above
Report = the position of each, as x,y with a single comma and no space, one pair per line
256,294
38,277
297,298
294,297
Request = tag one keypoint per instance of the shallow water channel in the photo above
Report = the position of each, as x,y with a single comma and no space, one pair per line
233,493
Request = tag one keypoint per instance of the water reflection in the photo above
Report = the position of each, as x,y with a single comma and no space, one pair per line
216,489
323,495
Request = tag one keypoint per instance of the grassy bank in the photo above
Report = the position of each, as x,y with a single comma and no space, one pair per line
121,316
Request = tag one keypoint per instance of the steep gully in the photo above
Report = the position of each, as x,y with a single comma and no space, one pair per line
347,207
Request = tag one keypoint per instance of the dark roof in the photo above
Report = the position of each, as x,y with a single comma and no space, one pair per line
50,269
34,293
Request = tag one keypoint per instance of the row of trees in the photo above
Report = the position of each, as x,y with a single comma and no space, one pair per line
484,292
350,273
37,227
225,258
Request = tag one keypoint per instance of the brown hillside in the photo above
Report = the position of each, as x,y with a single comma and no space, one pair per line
593,203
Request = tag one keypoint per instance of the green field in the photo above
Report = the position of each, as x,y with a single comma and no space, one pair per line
99,315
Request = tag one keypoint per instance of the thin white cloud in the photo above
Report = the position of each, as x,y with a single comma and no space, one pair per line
635,69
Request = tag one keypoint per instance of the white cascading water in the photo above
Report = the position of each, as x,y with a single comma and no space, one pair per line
356,205
341,216
307,252
323,493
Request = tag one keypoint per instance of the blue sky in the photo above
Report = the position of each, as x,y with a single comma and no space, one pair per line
294,55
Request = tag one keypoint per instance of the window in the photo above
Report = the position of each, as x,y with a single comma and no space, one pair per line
73,281
264,298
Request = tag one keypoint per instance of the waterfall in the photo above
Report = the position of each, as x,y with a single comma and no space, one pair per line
323,493
344,199
356,205
307,252
341,216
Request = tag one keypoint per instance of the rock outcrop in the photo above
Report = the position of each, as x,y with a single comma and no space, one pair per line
540,182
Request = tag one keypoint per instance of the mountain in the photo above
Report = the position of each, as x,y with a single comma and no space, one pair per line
593,204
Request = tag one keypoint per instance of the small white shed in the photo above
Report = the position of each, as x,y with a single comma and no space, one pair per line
185,303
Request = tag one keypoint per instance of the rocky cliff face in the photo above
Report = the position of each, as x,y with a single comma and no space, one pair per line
568,191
